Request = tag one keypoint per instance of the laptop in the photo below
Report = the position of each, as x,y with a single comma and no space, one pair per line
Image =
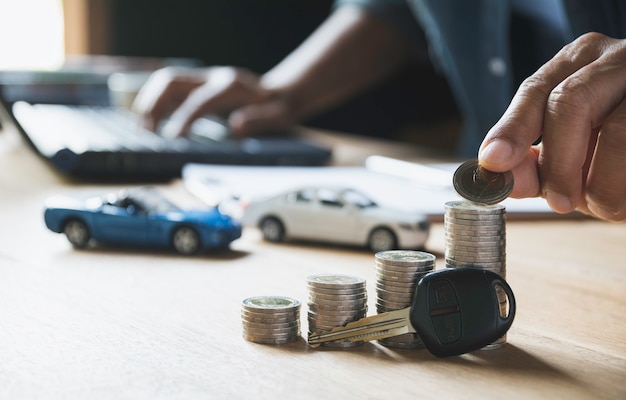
94,142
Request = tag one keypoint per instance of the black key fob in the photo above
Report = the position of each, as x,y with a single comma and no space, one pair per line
458,310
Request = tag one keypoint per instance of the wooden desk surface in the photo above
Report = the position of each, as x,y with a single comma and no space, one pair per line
126,323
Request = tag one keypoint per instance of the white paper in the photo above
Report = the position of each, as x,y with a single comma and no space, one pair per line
413,187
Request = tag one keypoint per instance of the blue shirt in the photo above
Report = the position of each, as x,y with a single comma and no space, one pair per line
470,42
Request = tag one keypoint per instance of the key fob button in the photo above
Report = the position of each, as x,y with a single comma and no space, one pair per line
441,295
447,327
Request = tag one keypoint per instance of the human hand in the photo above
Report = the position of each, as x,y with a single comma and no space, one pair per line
577,103
186,94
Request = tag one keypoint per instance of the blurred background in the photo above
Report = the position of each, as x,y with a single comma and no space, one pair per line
46,34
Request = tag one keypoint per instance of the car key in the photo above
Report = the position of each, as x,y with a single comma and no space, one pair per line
454,311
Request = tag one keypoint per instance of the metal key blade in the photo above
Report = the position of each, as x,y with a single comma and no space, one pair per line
376,327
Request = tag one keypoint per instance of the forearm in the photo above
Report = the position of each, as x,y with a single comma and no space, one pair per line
350,52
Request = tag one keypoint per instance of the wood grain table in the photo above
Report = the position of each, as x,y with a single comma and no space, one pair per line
117,323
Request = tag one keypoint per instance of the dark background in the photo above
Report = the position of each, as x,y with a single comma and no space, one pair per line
257,35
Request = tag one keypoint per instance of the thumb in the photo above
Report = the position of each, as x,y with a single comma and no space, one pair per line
507,143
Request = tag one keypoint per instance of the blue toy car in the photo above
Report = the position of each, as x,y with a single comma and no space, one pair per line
141,216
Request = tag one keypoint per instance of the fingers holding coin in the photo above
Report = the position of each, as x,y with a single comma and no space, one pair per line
480,185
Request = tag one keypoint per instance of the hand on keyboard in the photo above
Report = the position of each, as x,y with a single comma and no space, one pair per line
186,94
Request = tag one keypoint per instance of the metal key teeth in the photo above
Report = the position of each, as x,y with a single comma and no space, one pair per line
397,274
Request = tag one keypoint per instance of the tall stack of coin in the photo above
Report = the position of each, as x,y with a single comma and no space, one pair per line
270,319
475,236
335,300
397,275
475,229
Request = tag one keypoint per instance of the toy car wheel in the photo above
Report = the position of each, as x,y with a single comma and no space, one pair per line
381,239
272,229
77,233
186,240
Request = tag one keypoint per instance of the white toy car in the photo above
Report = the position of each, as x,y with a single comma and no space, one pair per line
343,216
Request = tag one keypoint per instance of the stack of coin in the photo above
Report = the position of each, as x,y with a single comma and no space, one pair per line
270,319
335,300
475,236
397,275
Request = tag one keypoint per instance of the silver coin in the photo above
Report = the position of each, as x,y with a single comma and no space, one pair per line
270,312
396,299
453,238
476,264
336,313
490,265
270,324
337,292
274,333
278,320
385,309
474,229
334,319
489,222
399,275
381,293
342,345
486,263
331,281
477,248
272,340
269,320
321,308
394,268
399,280
475,259
391,305
494,246
500,270
461,205
479,185
269,303
478,251
343,297
396,288
404,257
336,306
475,219
476,255
464,225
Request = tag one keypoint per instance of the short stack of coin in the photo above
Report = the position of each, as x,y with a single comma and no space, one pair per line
335,300
475,236
270,319
397,275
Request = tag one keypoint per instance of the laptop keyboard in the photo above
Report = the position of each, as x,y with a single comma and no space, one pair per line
125,130
106,142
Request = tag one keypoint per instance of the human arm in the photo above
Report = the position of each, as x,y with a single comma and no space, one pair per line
576,103
349,52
